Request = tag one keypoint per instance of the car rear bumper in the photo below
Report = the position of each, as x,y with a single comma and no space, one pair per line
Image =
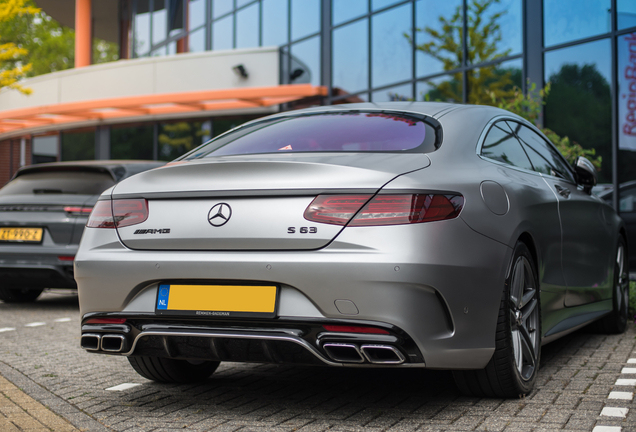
28,266
438,284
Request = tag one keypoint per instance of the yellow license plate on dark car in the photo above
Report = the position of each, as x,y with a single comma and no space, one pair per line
21,235
217,301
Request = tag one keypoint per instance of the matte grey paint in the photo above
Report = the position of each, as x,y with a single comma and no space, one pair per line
447,291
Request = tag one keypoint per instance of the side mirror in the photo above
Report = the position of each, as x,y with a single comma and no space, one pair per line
585,173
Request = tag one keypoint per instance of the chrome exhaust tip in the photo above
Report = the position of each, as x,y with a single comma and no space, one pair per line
113,343
90,341
344,353
382,354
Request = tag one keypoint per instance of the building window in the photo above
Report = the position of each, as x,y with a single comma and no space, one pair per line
78,144
579,104
569,20
132,141
44,148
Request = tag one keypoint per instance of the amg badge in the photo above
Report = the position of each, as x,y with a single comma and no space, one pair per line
153,231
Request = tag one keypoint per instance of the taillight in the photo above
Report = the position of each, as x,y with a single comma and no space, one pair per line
78,211
384,209
101,216
130,212
335,209
118,213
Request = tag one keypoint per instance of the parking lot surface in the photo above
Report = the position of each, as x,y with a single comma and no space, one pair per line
586,383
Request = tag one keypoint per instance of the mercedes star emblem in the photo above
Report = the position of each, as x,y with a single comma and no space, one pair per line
219,214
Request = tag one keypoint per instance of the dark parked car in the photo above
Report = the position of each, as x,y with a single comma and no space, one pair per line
627,208
43,210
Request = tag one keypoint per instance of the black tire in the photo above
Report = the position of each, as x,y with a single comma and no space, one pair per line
512,370
19,295
167,370
616,321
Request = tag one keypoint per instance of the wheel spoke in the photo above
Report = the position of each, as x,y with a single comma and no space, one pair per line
529,295
528,309
527,346
518,281
516,347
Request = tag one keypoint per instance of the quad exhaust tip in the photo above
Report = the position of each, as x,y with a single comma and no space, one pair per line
108,343
91,342
376,354
113,343
343,352
382,354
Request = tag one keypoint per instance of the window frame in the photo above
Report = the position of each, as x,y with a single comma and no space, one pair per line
504,118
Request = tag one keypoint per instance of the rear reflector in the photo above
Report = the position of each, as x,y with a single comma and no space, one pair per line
354,329
106,321
66,258
383,209
118,213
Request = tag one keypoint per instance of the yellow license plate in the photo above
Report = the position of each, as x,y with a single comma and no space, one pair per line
21,235
217,300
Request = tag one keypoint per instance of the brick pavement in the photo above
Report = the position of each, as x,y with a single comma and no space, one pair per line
18,411
578,374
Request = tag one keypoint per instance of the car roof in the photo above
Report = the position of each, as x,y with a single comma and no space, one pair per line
118,169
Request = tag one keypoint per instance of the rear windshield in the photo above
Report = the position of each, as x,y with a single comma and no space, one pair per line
325,132
59,182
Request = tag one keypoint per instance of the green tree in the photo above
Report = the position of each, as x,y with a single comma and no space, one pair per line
12,68
48,46
530,107
498,86
579,105
484,35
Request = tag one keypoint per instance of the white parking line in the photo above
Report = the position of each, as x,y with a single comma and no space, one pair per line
6,329
631,360
122,387
625,382
615,412
606,429
628,370
35,324
62,320
621,395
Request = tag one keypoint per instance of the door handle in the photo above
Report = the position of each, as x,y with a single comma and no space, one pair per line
564,192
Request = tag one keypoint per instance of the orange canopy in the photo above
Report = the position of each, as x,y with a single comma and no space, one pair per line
167,103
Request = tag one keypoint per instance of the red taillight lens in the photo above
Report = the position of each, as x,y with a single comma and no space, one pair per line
335,209
354,329
130,212
383,209
118,213
106,321
66,257
101,216
78,211
408,209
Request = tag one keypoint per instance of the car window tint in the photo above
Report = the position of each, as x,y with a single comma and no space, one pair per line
59,182
627,203
545,159
325,132
502,146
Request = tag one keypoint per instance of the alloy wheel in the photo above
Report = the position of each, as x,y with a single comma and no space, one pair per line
622,283
524,318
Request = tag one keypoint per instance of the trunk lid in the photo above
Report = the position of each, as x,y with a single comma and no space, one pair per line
263,198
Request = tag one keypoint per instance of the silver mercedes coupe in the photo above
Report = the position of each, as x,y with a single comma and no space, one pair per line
399,234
